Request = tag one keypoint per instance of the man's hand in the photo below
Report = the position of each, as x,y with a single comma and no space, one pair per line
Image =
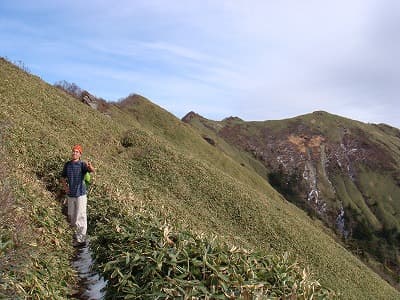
65,185
89,166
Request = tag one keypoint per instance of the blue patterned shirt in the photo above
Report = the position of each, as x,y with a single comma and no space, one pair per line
74,173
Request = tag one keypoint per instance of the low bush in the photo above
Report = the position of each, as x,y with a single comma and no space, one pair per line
145,258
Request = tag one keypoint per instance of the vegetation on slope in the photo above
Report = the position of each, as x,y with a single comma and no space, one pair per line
146,258
351,165
204,193
34,239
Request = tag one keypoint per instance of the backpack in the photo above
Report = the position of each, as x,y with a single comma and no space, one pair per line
86,179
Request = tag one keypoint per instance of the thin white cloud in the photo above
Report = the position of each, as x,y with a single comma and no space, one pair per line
178,51
255,59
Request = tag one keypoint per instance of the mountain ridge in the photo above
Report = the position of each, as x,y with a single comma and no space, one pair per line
192,114
326,164
145,159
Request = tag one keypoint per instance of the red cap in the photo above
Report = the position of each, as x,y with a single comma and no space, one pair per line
77,148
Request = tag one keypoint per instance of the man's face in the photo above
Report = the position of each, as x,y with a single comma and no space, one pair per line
76,155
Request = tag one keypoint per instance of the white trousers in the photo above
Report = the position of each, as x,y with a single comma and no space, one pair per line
77,216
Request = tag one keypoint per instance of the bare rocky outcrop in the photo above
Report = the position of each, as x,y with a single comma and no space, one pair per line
89,99
84,96
209,140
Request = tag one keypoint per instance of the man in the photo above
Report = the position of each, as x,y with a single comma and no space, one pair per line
72,180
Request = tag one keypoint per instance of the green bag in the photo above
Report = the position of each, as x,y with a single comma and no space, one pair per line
86,179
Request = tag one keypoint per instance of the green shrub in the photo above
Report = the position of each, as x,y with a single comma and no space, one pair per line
145,258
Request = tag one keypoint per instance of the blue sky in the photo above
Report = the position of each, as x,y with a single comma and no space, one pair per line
258,60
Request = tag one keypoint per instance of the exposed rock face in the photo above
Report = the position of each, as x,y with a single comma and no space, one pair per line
342,171
209,140
89,99
299,148
84,96
340,223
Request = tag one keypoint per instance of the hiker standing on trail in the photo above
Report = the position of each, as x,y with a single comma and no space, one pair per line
72,178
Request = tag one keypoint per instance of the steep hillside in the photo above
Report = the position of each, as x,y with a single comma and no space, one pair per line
145,159
342,171
164,124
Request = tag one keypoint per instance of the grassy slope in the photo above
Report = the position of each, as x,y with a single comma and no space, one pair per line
372,200
190,181
36,261
373,184
210,129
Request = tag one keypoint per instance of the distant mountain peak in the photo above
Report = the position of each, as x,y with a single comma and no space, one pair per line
232,119
320,112
191,115
132,99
